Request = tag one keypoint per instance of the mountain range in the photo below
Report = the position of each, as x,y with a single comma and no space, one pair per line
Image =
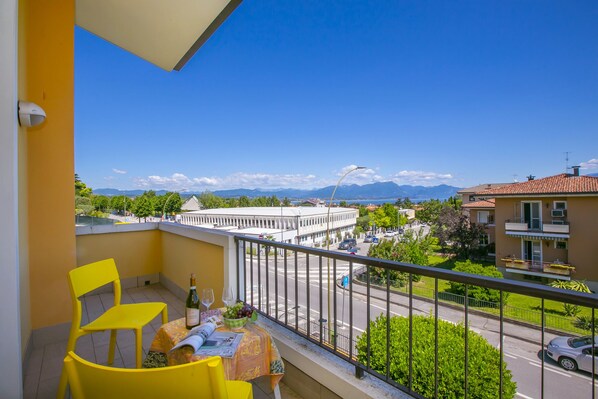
373,191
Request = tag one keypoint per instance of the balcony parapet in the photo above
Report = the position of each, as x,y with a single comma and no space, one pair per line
517,225
552,268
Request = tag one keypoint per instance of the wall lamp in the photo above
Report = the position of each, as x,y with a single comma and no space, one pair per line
30,114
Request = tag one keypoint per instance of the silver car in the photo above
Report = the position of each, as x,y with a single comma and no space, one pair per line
574,353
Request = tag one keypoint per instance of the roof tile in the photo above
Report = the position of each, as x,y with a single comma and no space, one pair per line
559,184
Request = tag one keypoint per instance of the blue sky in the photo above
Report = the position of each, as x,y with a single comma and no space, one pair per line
291,93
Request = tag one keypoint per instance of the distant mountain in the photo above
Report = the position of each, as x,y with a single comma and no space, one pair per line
383,190
592,174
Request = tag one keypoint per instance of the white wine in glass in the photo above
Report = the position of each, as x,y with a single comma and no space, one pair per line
207,297
228,296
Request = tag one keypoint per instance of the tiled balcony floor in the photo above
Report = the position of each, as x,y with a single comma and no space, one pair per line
45,364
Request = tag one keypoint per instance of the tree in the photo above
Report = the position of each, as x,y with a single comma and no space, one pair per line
475,291
121,204
429,211
81,188
143,207
483,372
100,203
453,229
385,216
169,203
244,201
573,285
286,202
210,201
411,248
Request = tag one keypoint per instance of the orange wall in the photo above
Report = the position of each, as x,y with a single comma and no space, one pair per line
582,213
49,76
182,256
136,253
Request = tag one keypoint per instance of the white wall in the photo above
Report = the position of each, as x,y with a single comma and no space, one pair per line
11,384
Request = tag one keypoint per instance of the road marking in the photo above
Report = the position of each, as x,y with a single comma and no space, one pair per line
550,369
523,396
511,356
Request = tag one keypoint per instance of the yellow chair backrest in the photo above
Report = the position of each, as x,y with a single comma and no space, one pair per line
94,275
202,379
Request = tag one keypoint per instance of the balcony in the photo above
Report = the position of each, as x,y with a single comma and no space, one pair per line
555,269
289,286
555,229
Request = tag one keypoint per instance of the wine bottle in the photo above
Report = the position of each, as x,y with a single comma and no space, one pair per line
192,305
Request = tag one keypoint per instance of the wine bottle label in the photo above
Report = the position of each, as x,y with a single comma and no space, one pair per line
192,316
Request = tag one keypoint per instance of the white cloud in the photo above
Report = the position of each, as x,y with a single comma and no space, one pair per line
418,177
181,182
591,164
119,171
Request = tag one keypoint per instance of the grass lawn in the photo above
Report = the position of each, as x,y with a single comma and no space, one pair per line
520,307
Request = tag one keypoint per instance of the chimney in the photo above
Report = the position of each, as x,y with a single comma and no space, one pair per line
576,170
530,177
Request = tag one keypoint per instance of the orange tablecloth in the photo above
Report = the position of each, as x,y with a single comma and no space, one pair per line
256,355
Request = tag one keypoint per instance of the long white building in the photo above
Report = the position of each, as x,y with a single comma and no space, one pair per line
296,225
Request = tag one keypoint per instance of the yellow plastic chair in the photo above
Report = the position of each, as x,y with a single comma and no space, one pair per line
202,379
119,317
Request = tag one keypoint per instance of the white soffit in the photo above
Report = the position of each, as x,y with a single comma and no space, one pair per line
164,32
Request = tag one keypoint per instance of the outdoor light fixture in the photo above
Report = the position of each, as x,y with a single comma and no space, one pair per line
328,238
30,114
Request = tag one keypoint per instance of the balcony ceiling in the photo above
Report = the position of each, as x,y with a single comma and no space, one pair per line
165,33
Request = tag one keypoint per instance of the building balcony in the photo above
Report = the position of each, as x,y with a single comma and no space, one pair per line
555,269
555,229
317,323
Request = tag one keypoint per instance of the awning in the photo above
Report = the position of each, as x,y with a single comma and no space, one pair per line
538,236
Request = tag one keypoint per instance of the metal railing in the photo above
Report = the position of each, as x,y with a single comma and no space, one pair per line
289,285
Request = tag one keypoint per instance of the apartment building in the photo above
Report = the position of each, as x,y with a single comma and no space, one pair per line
546,228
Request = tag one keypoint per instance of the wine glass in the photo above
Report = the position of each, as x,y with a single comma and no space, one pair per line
207,297
228,296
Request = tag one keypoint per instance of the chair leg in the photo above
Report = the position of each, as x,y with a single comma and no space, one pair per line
165,314
70,346
138,347
111,347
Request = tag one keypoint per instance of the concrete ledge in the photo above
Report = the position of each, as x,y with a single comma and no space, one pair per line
116,228
331,372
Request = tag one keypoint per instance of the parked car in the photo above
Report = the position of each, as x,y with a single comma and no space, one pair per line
390,233
368,238
346,244
573,353
375,240
401,231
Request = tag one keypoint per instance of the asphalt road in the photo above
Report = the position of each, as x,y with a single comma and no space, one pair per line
522,346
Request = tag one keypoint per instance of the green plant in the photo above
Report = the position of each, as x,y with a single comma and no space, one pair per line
483,358
585,323
573,285
475,291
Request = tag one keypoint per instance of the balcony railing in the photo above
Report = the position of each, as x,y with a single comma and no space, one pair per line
289,285
554,226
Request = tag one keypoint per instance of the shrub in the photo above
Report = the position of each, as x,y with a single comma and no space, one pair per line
483,358
474,291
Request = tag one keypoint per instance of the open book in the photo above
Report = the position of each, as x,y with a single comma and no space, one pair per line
206,341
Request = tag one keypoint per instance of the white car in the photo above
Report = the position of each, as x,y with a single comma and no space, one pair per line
390,233
573,353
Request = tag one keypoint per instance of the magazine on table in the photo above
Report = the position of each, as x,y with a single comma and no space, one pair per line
206,341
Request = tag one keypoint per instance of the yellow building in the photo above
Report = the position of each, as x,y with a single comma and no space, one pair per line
547,228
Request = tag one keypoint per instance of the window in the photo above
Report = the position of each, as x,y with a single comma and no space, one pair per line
484,240
560,205
483,216
560,244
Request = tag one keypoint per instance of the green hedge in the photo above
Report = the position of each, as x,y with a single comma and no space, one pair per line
475,291
483,362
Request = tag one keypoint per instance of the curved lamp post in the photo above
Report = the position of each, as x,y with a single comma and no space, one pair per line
328,238
166,202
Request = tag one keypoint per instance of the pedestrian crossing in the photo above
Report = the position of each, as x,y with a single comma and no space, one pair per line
301,272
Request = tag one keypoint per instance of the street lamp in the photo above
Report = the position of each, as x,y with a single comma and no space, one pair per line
166,202
328,237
